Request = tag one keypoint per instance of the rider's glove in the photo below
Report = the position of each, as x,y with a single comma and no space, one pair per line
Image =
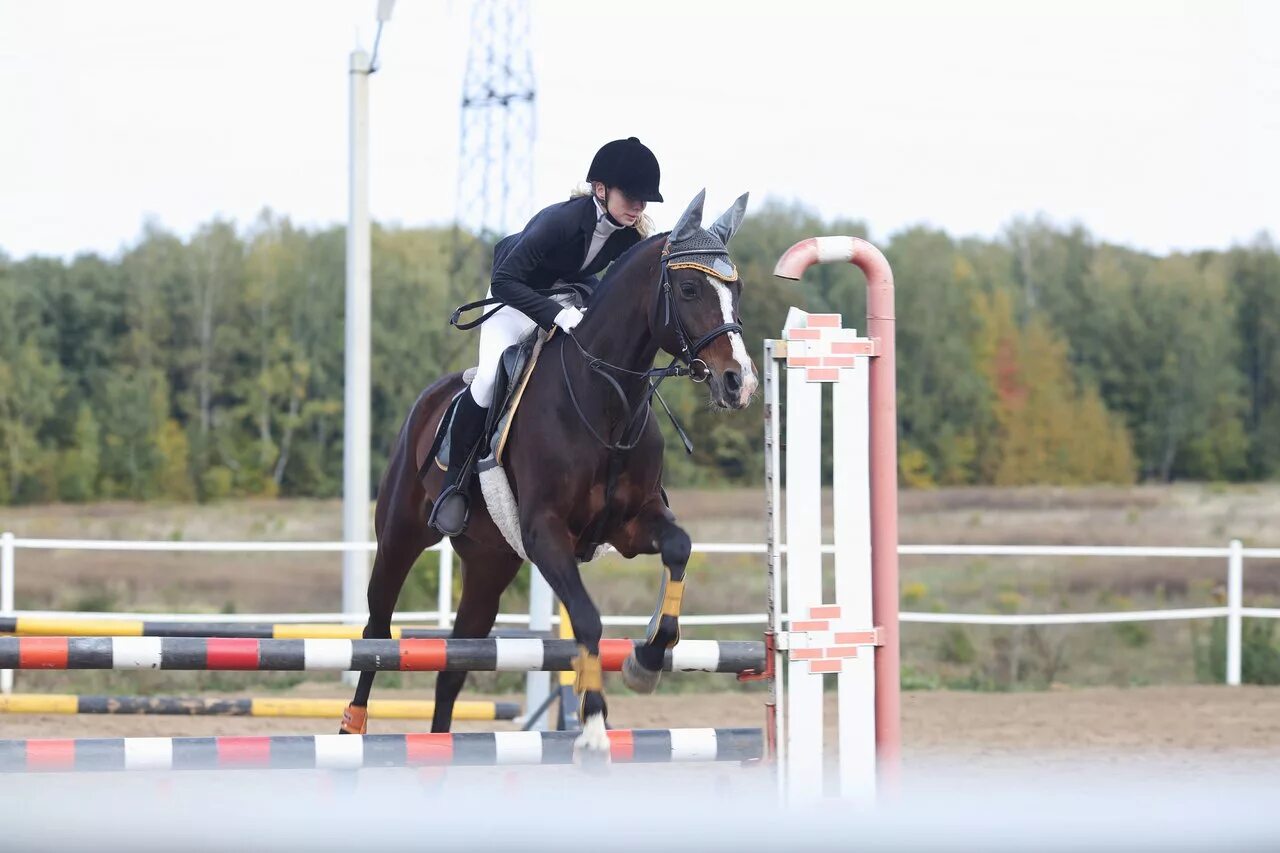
568,318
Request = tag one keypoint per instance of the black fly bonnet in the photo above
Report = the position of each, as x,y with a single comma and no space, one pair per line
690,246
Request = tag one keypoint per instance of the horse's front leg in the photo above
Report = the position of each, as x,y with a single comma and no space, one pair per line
550,547
654,531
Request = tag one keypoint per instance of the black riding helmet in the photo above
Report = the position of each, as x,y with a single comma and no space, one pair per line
628,165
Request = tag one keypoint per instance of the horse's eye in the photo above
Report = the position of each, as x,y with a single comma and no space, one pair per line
688,290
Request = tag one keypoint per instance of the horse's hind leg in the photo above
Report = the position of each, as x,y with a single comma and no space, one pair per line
400,542
655,530
486,573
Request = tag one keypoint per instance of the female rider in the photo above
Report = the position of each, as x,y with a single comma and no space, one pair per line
567,242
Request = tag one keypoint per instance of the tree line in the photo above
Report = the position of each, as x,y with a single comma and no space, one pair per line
210,367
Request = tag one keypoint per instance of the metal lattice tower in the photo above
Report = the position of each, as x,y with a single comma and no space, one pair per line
495,169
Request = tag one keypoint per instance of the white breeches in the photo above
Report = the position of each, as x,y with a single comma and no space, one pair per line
500,331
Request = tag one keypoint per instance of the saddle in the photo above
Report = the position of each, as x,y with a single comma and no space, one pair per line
514,370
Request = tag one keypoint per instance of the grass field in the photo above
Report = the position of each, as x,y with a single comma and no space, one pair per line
934,655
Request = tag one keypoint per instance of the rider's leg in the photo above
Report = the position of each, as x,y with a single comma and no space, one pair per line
451,511
500,331
449,516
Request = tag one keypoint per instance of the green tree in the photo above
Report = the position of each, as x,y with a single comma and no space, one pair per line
1168,362
1254,276
30,385
943,400
79,465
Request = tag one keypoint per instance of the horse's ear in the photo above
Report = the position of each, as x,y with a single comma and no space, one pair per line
727,225
691,220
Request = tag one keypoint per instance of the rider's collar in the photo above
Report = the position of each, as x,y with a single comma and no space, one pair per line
603,215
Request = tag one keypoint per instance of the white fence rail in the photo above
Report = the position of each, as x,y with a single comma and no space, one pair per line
1234,610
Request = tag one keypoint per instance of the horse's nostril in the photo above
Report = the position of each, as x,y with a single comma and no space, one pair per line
732,381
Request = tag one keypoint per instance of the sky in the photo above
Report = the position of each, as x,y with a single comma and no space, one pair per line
1153,124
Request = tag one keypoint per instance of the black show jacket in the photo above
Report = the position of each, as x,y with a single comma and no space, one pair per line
551,248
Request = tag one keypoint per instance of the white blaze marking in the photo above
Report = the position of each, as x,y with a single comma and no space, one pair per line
735,341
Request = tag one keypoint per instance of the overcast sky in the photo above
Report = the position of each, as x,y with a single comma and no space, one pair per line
1155,124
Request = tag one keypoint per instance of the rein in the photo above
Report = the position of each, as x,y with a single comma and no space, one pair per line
581,291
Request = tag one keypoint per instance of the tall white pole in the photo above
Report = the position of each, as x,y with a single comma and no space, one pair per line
356,403
537,685
1235,615
803,529
444,591
6,596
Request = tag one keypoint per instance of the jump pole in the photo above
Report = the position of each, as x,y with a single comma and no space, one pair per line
75,626
202,706
856,637
350,752
451,655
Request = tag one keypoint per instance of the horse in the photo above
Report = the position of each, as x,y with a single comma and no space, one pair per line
577,487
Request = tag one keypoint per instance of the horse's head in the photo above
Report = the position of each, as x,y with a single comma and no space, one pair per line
699,304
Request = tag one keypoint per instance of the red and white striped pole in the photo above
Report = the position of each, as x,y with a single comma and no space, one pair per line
883,469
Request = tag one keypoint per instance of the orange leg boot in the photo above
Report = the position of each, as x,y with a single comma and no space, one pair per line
355,720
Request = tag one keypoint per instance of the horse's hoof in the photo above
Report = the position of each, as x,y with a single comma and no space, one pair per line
592,748
639,679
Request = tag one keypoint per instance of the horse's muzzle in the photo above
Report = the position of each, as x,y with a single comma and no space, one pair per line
731,389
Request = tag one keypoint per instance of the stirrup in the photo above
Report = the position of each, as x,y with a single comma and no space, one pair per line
458,525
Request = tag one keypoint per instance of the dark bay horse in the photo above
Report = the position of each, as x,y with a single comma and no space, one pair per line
676,293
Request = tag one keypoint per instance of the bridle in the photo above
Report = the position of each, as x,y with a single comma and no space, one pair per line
688,351
695,368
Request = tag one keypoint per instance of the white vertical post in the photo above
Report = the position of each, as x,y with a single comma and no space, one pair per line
773,497
804,578
537,685
356,403
1235,616
851,505
6,596
444,591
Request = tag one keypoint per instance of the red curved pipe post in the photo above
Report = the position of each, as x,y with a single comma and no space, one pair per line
884,468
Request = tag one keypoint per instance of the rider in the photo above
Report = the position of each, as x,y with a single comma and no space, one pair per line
567,242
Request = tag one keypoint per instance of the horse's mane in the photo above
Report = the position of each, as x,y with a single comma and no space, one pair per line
619,267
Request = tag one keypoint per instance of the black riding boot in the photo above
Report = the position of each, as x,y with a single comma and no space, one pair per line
452,508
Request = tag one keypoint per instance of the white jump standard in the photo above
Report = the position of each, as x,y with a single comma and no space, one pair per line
856,636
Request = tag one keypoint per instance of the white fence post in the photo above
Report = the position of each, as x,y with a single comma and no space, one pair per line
802,504
6,596
773,548
537,685
1235,614
851,511
444,593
